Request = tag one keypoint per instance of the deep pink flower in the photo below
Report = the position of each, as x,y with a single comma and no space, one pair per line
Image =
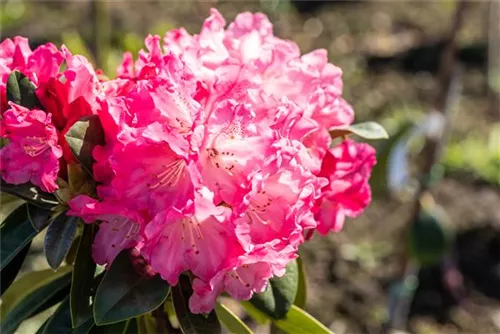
198,237
38,65
120,228
348,167
33,152
218,154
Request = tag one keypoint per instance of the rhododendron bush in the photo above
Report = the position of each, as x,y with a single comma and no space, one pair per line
197,172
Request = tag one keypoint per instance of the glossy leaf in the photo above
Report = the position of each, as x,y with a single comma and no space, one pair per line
82,282
255,314
30,194
280,293
25,297
230,321
298,321
58,239
116,328
192,323
82,137
60,322
10,271
367,130
8,203
18,230
135,294
21,91
301,296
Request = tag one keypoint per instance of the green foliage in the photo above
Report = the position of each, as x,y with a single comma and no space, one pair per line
279,295
136,294
30,194
10,271
82,137
192,323
367,130
82,282
301,296
21,91
298,321
230,321
430,237
30,294
18,230
58,239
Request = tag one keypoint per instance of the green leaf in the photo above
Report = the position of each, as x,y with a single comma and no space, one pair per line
82,137
124,293
230,321
21,91
430,238
17,231
280,293
58,239
298,321
367,130
8,203
30,194
60,322
192,323
9,273
82,282
116,328
146,324
25,297
255,314
301,296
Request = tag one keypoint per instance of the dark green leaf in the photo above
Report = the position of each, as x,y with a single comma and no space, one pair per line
71,256
231,321
58,239
9,273
279,295
301,296
21,91
299,321
368,130
430,238
17,231
60,322
83,274
82,137
192,323
124,327
125,293
30,194
27,294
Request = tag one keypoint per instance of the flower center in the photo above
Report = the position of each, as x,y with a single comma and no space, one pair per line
191,232
34,146
170,175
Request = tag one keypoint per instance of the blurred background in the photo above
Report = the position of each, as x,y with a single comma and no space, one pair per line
425,256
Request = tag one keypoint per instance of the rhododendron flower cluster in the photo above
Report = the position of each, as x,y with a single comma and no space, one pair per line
217,156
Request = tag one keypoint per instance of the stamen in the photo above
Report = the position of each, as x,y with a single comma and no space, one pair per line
35,146
170,176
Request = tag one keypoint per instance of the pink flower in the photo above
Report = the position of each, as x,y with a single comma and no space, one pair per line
217,154
32,153
38,65
198,237
120,228
348,168
250,276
